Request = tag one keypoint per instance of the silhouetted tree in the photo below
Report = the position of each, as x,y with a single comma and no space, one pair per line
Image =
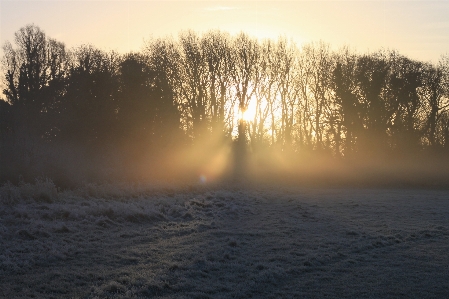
194,72
216,49
196,89
434,95
316,91
374,113
135,112
163,59
149,119
34,71
265,96
349,119
404,83
286,73
245,62
34,75
91,105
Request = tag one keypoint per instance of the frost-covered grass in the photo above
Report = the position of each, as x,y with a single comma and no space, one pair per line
222,241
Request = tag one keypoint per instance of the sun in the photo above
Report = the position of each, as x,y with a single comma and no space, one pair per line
249,113
254,113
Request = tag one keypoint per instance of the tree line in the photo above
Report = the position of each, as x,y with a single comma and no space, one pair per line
86,104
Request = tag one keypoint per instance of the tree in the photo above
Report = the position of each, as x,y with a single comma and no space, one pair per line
163,60
245,61
316,64
195,84
34,78
286,73
135,113
34,72
374,108
403,92
347,118
90,107
265,97
216,50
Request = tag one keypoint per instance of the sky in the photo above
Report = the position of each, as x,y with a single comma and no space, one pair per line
417,29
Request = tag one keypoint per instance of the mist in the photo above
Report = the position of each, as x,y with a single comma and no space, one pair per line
216,107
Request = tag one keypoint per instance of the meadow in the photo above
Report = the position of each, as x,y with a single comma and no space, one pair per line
223,240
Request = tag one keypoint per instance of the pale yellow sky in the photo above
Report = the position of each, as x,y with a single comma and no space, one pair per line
417,29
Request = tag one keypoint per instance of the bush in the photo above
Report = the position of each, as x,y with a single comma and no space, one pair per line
43,190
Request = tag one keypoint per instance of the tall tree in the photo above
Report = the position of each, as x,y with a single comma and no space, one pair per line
246,56
404,84
34,74
316,92
348,115
286,67
195,84
91,97
265,97
216,49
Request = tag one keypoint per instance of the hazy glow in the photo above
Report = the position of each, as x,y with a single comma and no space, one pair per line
220,8
418,29
250,112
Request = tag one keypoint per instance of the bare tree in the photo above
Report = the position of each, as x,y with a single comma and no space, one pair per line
346,116
246,55
265,96
403,90
316,62
287,73
216,49
434,98
193,69
163,57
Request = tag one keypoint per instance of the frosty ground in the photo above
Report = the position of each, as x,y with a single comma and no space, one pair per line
222,241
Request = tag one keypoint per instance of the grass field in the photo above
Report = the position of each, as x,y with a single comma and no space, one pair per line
222,241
